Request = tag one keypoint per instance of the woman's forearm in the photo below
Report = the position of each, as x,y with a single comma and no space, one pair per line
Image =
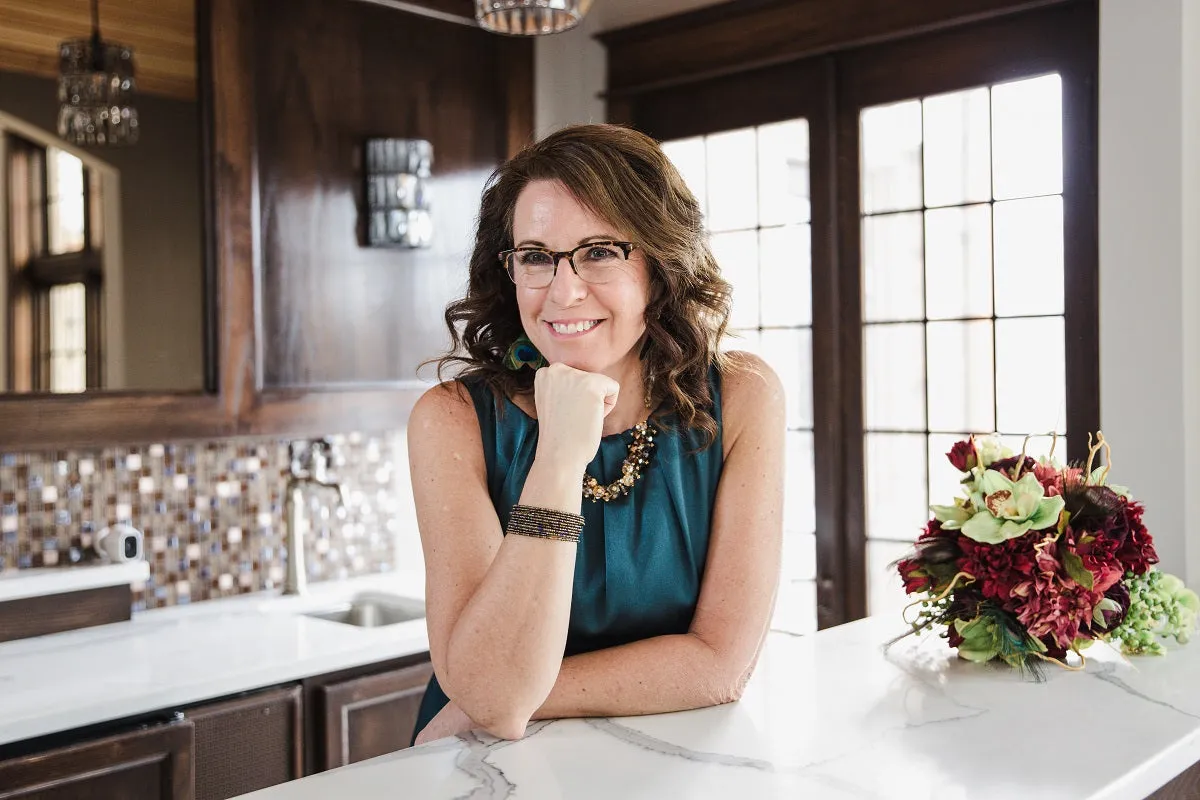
506,647
650,676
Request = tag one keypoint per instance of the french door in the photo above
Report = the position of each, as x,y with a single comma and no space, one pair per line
910,230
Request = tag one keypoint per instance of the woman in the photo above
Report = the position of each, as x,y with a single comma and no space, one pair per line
636,471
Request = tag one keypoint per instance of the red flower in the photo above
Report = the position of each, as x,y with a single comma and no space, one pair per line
962,456
1051,605
998,568
1053,479
1099,556
1008,465
915,579
1136,547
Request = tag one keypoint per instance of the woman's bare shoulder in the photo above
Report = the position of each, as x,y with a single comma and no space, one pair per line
444,410
751,392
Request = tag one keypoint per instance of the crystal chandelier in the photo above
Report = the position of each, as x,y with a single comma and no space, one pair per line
529,17
95,90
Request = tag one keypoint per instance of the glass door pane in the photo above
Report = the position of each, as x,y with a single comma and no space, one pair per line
753,186
962,293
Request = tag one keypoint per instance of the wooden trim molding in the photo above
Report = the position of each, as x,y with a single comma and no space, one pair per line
461,12
735,36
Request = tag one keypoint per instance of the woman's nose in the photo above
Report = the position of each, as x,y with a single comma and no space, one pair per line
566,288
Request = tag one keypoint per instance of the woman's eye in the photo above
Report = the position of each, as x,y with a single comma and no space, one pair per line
534,258
602,253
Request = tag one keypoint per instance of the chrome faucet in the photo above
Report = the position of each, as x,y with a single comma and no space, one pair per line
309,470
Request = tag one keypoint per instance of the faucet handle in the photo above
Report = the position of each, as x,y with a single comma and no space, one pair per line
310,459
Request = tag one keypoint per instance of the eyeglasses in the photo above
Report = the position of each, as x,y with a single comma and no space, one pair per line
594,262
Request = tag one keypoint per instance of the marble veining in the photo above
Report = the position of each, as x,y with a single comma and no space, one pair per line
833,716
654,745
1108,674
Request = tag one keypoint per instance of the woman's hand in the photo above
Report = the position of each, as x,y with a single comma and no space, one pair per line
450,721
571,407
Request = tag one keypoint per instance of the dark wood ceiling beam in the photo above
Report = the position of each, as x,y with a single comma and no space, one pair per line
736,36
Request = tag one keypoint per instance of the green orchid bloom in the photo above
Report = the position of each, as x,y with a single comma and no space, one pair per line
1007,509
951,517
991,450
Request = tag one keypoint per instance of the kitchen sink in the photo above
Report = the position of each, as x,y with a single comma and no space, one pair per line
372,610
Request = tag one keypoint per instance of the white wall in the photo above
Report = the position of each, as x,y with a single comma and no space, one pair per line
1190,297
1149,294
570,71
1149,244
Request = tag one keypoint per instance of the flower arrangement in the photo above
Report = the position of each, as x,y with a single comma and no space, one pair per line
1036,560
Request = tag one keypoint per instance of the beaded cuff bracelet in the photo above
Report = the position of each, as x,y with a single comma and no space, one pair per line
545,523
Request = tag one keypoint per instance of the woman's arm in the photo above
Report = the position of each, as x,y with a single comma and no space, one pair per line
498,606
712,662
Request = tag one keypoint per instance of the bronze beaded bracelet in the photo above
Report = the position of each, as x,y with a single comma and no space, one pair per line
545,523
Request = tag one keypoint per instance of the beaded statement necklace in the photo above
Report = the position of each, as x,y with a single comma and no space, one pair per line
636,459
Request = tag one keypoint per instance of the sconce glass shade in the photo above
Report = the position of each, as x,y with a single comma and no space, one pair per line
397,177
529,17
95,93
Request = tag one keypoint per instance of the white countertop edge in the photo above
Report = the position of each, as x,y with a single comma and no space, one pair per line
20,584
1153,774
177,698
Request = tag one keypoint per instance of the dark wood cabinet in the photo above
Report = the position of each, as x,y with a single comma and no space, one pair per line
364,717
248,743
1184,786
153,763
230,747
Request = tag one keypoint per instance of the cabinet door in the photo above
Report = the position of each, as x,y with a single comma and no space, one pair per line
1185,786
366,717
248,743
149,764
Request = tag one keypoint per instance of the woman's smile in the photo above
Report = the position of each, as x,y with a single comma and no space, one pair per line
572,328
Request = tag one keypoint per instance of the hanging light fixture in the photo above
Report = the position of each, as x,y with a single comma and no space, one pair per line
530,17
95,90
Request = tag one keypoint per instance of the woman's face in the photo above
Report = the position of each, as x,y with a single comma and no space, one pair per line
588,326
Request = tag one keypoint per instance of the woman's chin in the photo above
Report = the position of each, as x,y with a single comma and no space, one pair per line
581,363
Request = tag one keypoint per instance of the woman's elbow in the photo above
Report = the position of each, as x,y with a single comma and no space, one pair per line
728,682
511,728
496,720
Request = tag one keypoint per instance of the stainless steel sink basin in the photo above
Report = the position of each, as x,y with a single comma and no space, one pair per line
373,610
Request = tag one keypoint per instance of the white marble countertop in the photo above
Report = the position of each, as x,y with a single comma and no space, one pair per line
169,658
830,716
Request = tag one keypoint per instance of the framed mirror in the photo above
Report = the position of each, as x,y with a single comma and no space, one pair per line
103,276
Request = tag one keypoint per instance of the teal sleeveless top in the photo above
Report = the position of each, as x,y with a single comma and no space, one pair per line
640,559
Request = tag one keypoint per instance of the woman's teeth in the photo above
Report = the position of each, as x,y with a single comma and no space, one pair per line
574,327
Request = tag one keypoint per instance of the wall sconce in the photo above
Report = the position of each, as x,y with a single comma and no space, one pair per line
397,175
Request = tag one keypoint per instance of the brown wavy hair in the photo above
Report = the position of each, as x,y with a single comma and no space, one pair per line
623,177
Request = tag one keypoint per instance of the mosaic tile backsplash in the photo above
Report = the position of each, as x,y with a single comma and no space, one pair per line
212,513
